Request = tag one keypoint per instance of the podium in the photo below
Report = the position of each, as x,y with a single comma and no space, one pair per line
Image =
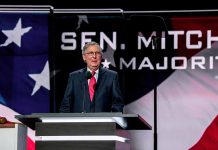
81,131
13,136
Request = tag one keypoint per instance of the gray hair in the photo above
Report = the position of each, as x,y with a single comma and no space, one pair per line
85,47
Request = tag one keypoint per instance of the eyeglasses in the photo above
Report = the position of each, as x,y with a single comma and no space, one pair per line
91,54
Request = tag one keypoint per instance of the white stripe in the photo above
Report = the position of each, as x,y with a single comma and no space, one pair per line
118,120
75,119
81,138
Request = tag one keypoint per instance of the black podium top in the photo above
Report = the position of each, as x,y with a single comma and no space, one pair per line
123,121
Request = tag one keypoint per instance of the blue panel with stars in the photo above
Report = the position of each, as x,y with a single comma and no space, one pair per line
24,68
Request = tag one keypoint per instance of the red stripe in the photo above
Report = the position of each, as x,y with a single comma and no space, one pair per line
209,140
30,144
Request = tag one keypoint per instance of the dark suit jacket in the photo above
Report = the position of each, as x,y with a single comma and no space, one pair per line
107,97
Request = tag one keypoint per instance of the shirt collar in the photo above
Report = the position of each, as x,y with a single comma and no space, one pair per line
96,71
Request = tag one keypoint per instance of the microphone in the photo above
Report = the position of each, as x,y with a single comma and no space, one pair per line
88,75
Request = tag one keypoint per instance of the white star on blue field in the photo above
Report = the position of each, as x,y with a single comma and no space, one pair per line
15,34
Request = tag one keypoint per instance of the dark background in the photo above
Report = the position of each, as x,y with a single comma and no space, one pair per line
138,5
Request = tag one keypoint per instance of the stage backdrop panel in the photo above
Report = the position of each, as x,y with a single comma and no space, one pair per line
24,64
163,57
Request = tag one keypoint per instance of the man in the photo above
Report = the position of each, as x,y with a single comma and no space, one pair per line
92,89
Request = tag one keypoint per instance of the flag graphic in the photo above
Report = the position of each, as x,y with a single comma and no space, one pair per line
187,100
24,68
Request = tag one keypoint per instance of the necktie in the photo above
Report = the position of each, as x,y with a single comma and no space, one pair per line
92,84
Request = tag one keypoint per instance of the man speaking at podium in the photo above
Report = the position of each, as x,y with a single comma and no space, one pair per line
92,89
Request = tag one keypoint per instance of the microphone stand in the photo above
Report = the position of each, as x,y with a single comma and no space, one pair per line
154,41
88,75
84,97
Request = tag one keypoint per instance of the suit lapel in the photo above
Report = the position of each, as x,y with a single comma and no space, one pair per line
84,82
83,79
100,78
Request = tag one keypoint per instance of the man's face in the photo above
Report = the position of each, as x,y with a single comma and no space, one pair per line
92,57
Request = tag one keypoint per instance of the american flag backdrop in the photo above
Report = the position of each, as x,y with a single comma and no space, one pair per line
24,67
187,100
